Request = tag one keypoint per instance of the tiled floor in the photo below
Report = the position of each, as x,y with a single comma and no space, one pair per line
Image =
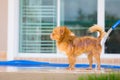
50,70
37,73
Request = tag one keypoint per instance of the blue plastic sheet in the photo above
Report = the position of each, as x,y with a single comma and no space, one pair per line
29,63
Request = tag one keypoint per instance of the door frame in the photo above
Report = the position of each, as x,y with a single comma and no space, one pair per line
13,29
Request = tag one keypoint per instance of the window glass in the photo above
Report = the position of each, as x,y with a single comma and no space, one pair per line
37,20
79,15
39,17
112,14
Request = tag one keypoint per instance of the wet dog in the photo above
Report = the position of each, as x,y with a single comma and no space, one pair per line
73,46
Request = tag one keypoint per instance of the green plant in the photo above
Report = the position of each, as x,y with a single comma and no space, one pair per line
103,76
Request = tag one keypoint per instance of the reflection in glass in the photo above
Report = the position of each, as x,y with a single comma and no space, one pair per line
112,14
37,20
78,15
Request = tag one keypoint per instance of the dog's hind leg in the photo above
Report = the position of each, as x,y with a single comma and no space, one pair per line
90,59
97,58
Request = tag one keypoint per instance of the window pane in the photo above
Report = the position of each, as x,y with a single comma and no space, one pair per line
78,15
37,20
112,14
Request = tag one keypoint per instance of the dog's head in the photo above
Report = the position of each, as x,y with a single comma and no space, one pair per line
60,32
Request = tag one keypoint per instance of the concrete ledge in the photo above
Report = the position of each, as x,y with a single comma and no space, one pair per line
38,76
13,73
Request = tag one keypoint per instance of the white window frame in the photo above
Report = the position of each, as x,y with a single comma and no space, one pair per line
101,21
13,29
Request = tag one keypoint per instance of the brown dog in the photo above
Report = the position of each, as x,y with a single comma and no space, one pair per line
73,46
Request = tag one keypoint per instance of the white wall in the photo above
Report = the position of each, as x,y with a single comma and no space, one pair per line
3,25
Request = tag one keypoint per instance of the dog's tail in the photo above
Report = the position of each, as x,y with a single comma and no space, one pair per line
99,29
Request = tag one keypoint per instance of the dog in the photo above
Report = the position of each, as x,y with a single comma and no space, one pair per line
74,46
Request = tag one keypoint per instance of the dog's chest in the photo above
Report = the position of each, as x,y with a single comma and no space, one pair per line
62,46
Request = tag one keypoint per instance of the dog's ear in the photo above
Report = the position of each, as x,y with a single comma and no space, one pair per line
62,30
65,30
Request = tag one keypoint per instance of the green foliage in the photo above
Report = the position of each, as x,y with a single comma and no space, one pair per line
103,76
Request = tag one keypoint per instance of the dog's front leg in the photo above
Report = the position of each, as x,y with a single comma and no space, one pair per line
72,60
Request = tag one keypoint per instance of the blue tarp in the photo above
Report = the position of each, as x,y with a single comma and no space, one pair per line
29,63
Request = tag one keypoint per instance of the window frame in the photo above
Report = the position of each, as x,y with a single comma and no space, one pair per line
13,30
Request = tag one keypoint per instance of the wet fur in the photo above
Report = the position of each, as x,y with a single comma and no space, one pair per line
74,46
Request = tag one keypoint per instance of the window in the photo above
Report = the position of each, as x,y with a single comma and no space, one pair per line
112,14
37,19
79,15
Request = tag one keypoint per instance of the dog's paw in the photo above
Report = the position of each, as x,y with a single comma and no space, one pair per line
70,68
89,68
98,68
